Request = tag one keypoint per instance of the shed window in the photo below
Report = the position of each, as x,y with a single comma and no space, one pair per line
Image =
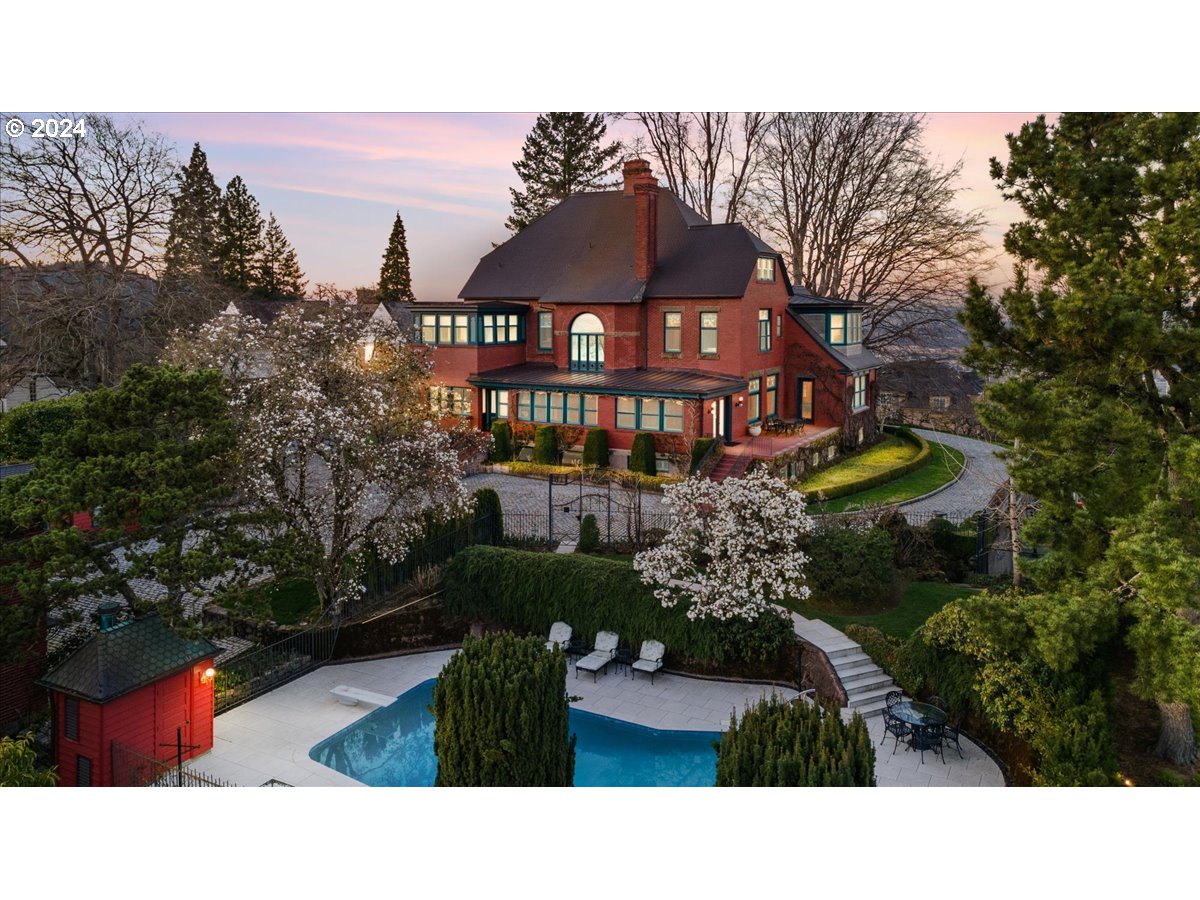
71,719
83,771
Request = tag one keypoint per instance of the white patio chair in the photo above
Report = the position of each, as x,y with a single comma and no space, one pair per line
599,658
560,636
650,659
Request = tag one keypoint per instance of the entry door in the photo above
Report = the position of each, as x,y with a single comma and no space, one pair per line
718,414
171,702
804,399
486,410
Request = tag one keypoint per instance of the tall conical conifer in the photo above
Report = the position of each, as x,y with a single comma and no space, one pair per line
279,271
192,236
395,277
239,237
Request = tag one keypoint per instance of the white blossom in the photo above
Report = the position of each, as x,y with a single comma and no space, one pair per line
733,550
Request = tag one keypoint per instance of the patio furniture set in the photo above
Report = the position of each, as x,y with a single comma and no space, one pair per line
921,726
605,651
778,426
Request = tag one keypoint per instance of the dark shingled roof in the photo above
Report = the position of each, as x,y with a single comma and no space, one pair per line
582,251
646,382
125,658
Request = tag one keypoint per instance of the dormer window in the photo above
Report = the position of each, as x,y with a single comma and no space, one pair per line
766,268
844,328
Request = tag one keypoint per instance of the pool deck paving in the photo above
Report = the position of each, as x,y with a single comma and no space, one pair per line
270,736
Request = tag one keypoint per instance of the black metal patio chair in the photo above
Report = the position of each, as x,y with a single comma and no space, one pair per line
937,701
897,728
952,731
892,698
928,737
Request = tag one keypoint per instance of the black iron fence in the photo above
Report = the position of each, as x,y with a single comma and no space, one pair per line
618,527
256,671
133,769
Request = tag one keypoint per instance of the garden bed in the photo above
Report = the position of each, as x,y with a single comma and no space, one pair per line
918,601
943,466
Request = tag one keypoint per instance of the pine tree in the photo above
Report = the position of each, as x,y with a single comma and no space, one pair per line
239,236
279,271
192,236
395,278
561,156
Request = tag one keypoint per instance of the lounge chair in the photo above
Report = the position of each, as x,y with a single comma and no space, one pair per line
601,655
560,636
650,659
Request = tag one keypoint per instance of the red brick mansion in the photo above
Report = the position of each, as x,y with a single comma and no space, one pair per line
627,310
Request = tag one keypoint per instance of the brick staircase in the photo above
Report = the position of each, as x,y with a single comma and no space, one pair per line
866,684
731,466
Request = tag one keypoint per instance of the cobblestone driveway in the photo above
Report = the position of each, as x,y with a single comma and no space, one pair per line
973,491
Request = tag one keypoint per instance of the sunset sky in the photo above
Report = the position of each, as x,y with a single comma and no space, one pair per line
335,181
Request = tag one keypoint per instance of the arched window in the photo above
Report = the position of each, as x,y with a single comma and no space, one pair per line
587,343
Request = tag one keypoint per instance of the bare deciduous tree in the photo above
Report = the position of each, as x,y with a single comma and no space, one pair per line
862,214
84,217
708,159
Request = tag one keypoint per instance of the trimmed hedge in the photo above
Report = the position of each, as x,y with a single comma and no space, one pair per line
533,590
487,503
545,446
849,567
781,743
502,442
642,457
863,484
595,448
589,535
23,429
501,716
698,450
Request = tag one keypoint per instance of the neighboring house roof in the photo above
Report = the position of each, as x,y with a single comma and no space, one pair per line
805,298
125,658
918,380
266,310
861,358
582,251
649,382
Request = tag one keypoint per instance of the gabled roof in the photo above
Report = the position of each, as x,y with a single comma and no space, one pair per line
858,360
582,251
125,658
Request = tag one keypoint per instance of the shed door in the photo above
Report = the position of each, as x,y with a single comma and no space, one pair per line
171,711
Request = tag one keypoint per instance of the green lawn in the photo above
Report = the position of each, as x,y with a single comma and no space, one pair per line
887,454
921,600
943,466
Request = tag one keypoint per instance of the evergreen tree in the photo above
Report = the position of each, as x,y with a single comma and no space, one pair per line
1100,361
395,278
279,271
643,458
561,156
192,231
239,236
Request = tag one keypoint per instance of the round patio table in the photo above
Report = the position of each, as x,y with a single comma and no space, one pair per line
919,716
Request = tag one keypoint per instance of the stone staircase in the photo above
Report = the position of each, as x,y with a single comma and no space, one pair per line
731,466
866,684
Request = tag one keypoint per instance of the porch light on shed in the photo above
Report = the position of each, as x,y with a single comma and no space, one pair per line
207,675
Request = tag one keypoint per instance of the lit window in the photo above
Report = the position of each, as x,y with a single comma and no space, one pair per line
854,327
428,328
772,395
450,401
837,328
672,416
546,331
587,343
764,330
524,406
860,391
445,330
708,332
461,335
754,398
591,409
627,413
766,268
672,332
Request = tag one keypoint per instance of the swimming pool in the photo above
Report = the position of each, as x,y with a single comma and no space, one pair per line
393,747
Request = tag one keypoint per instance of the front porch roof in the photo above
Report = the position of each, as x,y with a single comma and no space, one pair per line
683,383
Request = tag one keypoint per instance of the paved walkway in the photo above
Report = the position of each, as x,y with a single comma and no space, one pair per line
973,491
270,737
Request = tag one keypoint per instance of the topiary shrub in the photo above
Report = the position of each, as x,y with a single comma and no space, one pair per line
23,429
698,450
531,591
545,446
783,743
850,566
595,448
589,535
500,715
642,457
487,504
502,442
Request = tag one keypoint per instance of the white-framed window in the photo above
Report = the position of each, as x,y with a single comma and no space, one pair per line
766,268
672,332
861,381
939,402
708,332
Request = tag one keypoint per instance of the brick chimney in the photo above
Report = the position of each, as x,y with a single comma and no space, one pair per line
643,187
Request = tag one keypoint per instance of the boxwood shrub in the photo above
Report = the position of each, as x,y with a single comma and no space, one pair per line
595,448
532,590
502,442
642,457
545,446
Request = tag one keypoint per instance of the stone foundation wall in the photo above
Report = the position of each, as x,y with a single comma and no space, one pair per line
817,672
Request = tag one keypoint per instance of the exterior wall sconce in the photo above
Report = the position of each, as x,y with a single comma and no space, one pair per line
740,400
207,675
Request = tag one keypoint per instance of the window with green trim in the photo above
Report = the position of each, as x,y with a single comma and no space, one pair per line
546,331
554,408
650,414
672,332
627,413
772,394
450,401
754,400
860,390
845,328
764,330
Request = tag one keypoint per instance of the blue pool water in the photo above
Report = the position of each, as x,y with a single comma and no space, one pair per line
393,747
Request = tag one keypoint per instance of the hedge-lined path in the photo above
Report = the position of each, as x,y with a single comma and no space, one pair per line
983,473
866,686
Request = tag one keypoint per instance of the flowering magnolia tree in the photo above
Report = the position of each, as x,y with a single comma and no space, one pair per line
338,446
733,550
